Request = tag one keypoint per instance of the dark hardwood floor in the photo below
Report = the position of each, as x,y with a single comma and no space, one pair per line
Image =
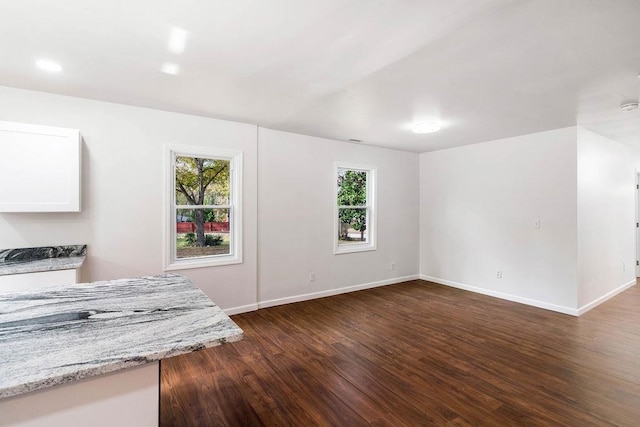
414,354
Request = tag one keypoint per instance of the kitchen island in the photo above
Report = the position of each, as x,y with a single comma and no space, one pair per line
88,354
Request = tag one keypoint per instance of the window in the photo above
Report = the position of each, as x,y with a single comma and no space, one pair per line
204,207
355,225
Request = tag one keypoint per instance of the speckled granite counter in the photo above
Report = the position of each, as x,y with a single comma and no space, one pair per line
34,260
64,333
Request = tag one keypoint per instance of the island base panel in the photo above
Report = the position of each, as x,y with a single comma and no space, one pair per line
124,398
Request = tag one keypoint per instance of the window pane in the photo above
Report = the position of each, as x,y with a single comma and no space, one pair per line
352,187
353,226
202,232
202,181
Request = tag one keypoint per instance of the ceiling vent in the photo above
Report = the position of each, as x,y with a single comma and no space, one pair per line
629,106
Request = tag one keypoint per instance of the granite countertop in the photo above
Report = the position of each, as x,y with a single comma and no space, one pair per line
65,333
34,260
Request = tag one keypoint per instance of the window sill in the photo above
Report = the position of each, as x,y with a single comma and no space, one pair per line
202,263
348,249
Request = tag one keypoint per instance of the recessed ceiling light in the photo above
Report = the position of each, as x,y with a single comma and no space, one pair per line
426,127
170,68
177,40
48,65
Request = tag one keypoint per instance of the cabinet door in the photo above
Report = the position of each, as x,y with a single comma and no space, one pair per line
39,168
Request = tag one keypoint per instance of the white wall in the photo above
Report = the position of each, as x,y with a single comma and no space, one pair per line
606,217
123,189
475,208
478,208
295,204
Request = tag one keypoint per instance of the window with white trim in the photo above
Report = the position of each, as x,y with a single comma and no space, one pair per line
355,215
203,210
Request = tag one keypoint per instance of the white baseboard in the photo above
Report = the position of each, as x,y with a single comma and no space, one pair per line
240,309
508,297
330,292
605,297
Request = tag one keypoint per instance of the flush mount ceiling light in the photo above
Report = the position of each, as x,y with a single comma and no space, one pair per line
170,68
177,40
629,106
48,65
426,127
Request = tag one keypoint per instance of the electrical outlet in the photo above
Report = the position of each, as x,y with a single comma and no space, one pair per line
499,274
536,225
393,265
312,277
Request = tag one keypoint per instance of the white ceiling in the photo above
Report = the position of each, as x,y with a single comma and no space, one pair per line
341,69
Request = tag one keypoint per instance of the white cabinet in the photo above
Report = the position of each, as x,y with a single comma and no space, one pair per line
39,168
41,279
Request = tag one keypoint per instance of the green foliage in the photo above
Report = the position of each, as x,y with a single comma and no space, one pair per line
190,238
213,240
352,188
210,215
352,191
201,181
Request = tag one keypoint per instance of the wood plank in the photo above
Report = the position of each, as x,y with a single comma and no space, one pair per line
415,353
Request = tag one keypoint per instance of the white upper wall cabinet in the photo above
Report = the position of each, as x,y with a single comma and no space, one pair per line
39,168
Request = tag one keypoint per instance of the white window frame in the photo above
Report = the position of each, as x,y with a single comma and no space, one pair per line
235,207
371,244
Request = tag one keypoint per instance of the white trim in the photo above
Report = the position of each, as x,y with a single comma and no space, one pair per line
203,206
305,297
235,158
636,198
240,309
605,297
372,217
331,292
508,297
201,262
